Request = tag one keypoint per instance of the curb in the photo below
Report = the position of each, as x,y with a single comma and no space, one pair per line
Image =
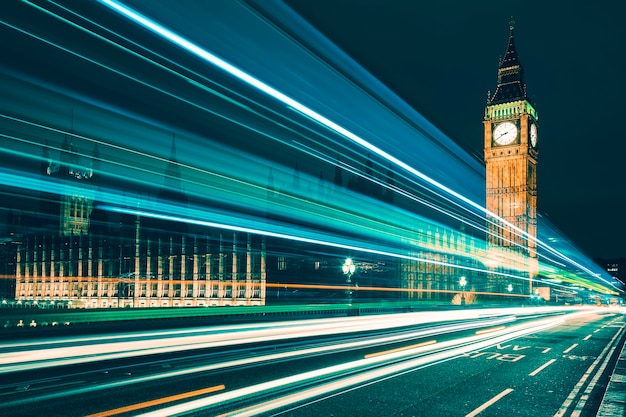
614,401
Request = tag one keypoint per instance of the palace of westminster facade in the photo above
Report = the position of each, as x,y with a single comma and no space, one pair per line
96,259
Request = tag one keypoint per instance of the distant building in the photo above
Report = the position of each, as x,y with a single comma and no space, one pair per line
78,253
434,271
616,267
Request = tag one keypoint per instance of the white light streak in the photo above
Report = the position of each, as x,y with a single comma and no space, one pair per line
446,351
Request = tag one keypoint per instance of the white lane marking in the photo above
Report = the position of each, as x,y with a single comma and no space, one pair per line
490,402
587,393
569,349
579,385
587,337
542,367
546,350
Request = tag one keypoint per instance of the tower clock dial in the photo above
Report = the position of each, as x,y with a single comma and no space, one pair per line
505,133
533,135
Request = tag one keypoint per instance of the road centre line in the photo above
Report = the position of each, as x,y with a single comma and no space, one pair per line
158,401
490,402
569,349
542,367
587,337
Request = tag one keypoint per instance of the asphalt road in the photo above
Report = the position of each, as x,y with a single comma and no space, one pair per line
557,372
492,363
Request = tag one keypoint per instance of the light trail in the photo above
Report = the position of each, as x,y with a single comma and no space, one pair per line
326,212
273,92
303,109
377,230
385,352
27,357
158,401
173,72
340,219
258,356
370,369
300,108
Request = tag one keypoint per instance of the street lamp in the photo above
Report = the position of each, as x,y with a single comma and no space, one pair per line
348,269
462,284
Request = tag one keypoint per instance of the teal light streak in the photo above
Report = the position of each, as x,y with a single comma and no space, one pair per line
301,238
303,204
263,87
242,75
249,79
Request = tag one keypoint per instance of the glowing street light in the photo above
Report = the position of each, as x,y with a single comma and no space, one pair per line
462,284
348,269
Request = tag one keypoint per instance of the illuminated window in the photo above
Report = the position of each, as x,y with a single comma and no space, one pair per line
282,263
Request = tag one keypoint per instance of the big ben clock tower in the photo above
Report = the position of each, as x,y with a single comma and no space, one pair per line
510,132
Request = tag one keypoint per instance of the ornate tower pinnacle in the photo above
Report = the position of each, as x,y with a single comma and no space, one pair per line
510,74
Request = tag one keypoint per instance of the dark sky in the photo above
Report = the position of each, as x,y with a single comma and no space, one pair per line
442,58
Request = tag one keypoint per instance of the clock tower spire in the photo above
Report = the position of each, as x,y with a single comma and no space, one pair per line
511,85
510,142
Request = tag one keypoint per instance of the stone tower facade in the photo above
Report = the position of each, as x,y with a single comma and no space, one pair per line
510,143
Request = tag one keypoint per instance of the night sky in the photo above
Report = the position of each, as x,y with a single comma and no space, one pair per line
442,58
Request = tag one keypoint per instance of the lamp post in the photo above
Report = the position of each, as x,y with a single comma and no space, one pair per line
462,284
348,269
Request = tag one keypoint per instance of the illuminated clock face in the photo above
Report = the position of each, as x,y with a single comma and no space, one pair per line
533,135
505,133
